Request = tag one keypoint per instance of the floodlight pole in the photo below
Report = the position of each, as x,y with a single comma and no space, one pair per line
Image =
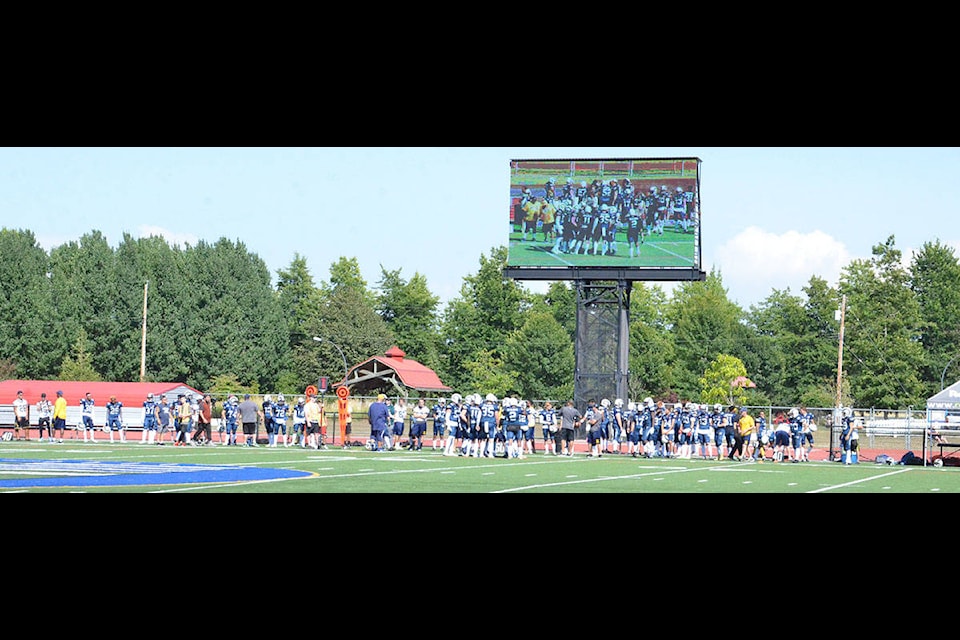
346,370
942,375
838,412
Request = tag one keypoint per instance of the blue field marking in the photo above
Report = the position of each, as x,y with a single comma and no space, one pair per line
92,473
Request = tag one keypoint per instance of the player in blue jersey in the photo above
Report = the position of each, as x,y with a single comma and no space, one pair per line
719,426
164,416
149,433
281,412
451,423
473,442
418,426
489,424
513,421
763,438
632,432
701,425
642,428
439,412
848,435
590,423
548,426
115,419
86,416
231,420
809,427
796,435
615,430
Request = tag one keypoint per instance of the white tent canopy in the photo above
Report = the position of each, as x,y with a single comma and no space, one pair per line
947,400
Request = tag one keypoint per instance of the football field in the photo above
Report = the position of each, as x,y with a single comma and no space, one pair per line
76,467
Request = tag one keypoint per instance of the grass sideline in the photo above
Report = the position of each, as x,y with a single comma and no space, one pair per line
357,471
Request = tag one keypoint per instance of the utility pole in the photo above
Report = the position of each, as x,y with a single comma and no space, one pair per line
843,310
143,338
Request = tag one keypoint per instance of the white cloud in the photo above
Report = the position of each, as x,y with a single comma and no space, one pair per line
754,262
173,239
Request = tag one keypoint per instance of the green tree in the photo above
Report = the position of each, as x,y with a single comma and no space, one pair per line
298,297
79,365
346,318
488,373
717,382
652,354
84,292
490,307
26,306
934,274
345,274
883,328
411,312
704,324
540,356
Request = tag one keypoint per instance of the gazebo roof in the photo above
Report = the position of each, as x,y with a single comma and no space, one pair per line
395,368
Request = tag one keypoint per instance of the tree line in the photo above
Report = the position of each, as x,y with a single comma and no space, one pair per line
218,321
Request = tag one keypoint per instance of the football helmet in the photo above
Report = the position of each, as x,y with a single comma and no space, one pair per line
456,398
618,402
491,397
280,398
604,403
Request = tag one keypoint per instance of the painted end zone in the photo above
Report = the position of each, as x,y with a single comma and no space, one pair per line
92,473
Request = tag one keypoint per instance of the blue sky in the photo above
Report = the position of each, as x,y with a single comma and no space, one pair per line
772,216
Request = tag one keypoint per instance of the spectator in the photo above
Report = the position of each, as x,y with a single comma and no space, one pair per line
205,419
570,418
378,414
314,415
87,404
21,413
60,416
348,426
44,413
249,415
184,417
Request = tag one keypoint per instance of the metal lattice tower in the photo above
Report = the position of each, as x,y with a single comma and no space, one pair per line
602,341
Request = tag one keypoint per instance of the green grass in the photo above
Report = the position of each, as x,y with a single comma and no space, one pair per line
673,249
399,472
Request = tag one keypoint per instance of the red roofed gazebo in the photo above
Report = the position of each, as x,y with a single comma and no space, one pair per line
393,368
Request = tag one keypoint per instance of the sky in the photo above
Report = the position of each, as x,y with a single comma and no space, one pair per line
773,217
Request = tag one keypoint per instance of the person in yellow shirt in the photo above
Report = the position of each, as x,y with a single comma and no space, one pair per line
743,430
531,214
548,215
314,415
60,416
